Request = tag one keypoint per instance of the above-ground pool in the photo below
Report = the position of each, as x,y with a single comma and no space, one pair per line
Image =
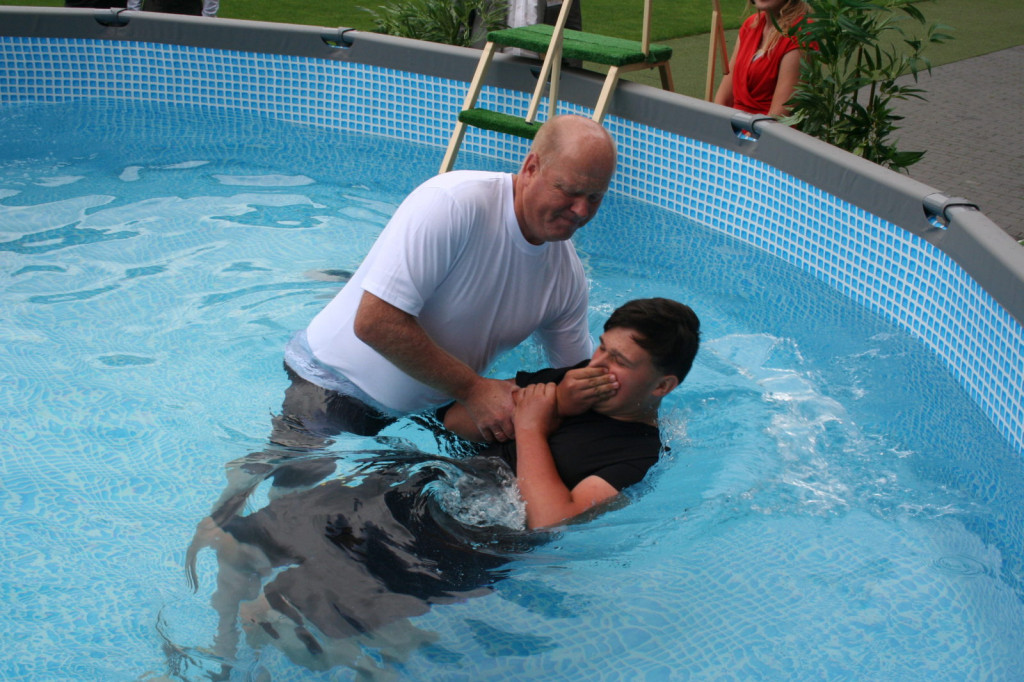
842,494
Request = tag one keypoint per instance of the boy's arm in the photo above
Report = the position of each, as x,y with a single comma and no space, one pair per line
548,499
578,391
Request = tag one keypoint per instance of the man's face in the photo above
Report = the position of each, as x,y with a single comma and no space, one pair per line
559,197
641,384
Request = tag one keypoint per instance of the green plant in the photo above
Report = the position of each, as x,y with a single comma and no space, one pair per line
455,22
858,49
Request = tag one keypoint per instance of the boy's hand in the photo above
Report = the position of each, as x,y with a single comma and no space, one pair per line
581,389
537,409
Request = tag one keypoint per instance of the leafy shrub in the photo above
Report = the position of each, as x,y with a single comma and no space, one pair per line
848,84
454,22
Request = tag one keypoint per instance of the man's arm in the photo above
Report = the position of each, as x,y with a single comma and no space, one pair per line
398,336
578,391
548,499
458,421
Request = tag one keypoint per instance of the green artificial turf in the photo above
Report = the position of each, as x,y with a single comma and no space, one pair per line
603,49
503,123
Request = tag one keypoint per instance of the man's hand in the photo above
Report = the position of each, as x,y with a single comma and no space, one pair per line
581,389
537,409
490,405
399,337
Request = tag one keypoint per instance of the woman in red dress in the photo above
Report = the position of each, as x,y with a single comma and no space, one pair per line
765,65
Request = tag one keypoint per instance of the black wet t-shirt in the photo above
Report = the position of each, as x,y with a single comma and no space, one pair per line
591,444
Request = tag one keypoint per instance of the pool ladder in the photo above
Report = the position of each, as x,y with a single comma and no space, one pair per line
556,43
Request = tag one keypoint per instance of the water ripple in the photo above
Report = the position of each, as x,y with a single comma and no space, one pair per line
215,299
61,238
125,360
264,180
961,565
72,295
39,268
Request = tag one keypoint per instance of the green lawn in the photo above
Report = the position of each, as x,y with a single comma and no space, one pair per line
980,26
673,18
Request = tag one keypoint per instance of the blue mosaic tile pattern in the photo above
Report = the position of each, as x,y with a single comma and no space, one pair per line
870,260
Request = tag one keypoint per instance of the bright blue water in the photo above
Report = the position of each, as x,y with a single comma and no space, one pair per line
833,507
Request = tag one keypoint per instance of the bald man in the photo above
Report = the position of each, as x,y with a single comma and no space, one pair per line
471,264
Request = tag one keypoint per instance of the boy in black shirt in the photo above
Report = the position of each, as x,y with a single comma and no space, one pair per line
582,434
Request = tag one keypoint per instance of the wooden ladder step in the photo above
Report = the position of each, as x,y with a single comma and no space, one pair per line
589,47
498,122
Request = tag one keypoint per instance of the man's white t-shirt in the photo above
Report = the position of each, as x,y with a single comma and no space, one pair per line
453,256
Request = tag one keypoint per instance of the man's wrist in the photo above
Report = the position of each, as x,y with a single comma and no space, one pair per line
464,388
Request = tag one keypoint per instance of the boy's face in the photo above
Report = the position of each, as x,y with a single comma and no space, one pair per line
641,384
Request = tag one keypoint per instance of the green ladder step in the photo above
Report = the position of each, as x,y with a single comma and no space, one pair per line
498,122
588,47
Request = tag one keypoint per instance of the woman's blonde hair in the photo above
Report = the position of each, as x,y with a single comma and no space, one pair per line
789,14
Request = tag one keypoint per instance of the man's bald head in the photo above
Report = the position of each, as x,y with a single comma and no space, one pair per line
564,178
569,133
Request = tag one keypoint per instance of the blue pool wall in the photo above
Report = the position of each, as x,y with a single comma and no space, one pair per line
930,263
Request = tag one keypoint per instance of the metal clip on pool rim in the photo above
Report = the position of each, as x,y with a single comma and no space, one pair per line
745,125
111,17
336,37
936,208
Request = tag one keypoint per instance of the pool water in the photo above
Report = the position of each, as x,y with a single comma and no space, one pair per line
833,505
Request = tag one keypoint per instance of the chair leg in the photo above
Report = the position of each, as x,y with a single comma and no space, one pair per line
666,77
551,57
606,94
453,146
556,77
471,96
538,91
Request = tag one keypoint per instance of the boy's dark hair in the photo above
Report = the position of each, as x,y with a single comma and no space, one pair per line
667,329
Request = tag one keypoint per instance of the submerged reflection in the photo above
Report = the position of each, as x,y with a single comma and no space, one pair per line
324,572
